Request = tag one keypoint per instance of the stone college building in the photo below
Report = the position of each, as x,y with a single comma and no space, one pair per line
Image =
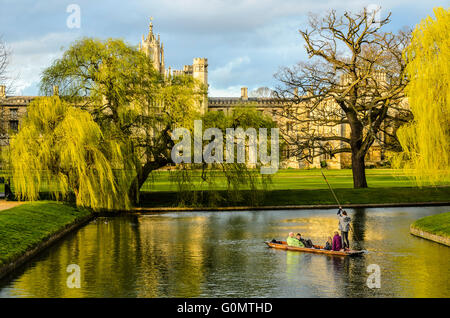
13,108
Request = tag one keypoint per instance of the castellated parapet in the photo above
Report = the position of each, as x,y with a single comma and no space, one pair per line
200,69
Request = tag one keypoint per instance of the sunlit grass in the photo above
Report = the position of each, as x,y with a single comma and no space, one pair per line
438,224
290,179
25,226
286,179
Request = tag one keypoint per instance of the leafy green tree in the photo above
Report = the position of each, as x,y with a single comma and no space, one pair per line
133,104
193,180
136,110
426,140
62,145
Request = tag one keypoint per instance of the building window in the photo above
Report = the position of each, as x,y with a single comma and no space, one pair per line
14,125
289,126
13,113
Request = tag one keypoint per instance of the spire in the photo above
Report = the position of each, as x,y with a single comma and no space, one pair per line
151,26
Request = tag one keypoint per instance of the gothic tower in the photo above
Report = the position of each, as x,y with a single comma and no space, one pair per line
152,47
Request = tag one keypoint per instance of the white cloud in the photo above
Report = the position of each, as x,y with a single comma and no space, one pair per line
231,91
245,41
229,71
30,57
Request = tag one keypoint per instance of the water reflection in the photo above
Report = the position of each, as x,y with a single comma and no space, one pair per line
359,228
222,254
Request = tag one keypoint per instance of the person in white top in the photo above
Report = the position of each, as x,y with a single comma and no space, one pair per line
344,227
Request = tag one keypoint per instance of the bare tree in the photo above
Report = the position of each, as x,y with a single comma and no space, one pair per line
4,82
350,94
4,61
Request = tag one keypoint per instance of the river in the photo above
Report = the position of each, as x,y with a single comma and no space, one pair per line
222,254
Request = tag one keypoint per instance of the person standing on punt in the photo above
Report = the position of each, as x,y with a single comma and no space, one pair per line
344,227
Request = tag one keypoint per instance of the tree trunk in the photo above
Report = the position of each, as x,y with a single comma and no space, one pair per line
141,177
358,154
359,170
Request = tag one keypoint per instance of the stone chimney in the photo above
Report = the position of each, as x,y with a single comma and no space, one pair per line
2,91
55,90
244,93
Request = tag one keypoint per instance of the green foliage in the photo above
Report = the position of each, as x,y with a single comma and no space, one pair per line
135,106
25,226
426,141
136,109
63,143
236,176
244,117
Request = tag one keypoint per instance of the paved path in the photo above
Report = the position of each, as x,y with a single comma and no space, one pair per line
4,205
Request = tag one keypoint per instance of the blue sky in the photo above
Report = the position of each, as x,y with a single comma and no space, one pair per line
246,42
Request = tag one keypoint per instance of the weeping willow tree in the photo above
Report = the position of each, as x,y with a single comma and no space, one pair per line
62,145
200,184
136,107
426,141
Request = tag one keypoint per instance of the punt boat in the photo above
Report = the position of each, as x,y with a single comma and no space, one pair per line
315,249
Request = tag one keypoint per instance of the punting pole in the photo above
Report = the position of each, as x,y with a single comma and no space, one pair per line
335,197
331,189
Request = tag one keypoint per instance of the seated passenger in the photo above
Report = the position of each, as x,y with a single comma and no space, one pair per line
292,241
329,244
337,242
306,243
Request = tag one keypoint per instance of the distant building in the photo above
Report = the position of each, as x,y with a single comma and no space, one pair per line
12,108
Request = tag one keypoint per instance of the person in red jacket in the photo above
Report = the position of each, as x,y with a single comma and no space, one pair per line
337,242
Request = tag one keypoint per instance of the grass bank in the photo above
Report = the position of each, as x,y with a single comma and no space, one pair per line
308,197
295,179
438,224
24,227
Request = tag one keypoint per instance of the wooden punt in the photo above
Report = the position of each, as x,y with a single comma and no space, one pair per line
317,249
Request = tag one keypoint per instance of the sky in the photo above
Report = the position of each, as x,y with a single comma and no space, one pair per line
246,42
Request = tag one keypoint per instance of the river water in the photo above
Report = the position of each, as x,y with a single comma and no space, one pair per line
222,254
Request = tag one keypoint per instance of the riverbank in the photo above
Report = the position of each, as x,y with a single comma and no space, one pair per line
27,229
304,198
434,227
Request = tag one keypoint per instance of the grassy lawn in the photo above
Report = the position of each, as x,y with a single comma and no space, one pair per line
438,224
25,226
315,197
300,187
286,179
290,179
